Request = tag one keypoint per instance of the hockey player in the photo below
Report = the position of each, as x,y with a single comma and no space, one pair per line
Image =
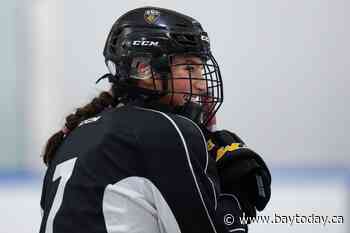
142,157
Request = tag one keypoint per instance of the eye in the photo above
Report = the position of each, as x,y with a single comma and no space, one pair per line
189,67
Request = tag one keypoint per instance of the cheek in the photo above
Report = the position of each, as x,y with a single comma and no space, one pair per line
181,85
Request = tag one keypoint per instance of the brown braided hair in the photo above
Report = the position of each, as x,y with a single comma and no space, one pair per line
97,105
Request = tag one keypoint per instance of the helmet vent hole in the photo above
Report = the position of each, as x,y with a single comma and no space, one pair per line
190,38
185,39
181,25
114,41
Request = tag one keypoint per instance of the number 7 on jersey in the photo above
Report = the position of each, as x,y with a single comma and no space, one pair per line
63,170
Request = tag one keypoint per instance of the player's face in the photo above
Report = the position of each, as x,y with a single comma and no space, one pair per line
186,78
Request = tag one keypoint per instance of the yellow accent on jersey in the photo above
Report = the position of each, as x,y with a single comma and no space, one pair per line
210,145
222,150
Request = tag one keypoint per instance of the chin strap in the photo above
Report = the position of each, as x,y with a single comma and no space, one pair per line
108,75
191,110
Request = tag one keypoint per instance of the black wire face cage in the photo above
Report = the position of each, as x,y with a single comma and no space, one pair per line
204,93
192,85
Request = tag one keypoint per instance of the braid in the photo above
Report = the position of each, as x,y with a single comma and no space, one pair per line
97,105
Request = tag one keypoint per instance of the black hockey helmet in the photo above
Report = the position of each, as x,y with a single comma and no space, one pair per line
154,36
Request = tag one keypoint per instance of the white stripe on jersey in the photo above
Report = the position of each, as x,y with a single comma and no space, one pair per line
188,160
207,161
134,205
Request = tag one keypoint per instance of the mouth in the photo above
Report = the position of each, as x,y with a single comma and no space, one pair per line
194,99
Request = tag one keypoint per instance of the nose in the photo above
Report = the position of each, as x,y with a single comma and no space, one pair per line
200,85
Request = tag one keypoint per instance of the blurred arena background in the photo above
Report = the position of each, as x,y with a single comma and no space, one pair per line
286,73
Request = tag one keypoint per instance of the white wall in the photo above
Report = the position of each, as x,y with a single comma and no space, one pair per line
285,66
11,136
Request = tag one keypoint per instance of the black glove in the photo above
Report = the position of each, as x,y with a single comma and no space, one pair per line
242,172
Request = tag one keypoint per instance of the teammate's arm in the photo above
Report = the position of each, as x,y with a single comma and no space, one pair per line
135,205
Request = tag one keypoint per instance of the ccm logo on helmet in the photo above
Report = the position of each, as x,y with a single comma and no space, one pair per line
145,43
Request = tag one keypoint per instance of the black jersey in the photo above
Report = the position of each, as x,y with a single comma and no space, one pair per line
132,169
